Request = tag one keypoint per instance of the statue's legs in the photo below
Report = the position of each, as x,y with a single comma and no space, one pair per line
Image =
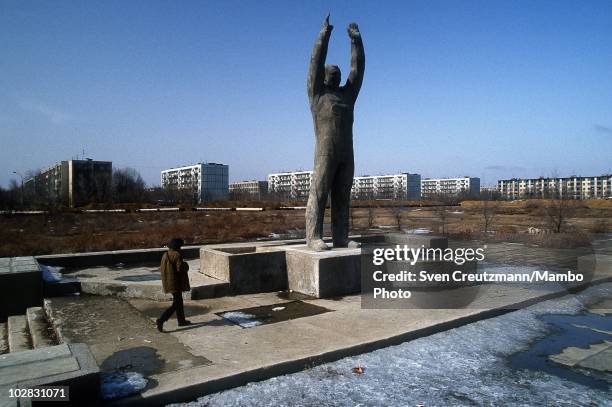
340,202
315,210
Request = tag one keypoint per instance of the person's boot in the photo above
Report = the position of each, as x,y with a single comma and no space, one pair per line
185,322
160,325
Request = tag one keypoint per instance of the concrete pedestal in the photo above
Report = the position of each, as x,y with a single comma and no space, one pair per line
323,274
247,269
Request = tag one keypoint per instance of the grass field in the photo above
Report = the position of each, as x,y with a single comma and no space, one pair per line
77,232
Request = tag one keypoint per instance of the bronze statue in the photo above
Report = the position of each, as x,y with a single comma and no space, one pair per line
332,108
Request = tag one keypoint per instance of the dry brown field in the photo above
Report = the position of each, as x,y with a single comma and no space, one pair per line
81,232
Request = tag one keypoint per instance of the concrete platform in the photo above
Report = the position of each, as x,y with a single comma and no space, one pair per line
69,365
247,268
142,281
288,264
323,274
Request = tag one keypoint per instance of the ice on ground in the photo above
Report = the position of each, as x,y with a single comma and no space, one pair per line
117,384
418,231
463,366
241,318
51,274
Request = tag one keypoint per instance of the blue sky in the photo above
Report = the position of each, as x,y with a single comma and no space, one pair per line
493,89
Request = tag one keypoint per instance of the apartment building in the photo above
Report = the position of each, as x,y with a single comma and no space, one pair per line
248,189
206,181
72,183
431,187
395,186
290,185
296,185
572,187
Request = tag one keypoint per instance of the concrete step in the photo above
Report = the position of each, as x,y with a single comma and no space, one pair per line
145,282
3,338
67,286
18,337
70,365
203,287
40,330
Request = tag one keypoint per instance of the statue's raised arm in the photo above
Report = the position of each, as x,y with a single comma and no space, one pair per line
316,70
357,59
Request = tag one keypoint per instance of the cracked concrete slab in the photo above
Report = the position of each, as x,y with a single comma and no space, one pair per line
597,357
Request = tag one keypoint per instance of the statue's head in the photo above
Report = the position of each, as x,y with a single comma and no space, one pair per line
332,76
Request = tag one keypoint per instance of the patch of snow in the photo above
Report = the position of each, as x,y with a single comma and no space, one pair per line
278,308
117,384
51,274
418,231
241,318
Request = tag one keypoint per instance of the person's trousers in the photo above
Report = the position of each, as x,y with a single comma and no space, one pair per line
177,306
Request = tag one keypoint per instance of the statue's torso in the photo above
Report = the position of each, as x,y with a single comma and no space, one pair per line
332,113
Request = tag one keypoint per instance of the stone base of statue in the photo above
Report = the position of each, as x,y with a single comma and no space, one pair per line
326,274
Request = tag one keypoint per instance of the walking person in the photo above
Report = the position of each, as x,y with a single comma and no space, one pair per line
174,281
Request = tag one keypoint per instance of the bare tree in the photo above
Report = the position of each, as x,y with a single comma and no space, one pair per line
557,207
9,198
557,212
371,215
128,186
397,211
442,214
441,210
489,211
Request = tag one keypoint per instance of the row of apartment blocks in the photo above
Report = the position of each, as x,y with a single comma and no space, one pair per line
569,187
79,182
296,185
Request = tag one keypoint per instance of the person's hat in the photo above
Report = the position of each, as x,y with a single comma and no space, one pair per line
176,243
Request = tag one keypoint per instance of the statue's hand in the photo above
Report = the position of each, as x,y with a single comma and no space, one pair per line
353,31
326,25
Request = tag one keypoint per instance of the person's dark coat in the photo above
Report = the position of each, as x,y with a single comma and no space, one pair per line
174,272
